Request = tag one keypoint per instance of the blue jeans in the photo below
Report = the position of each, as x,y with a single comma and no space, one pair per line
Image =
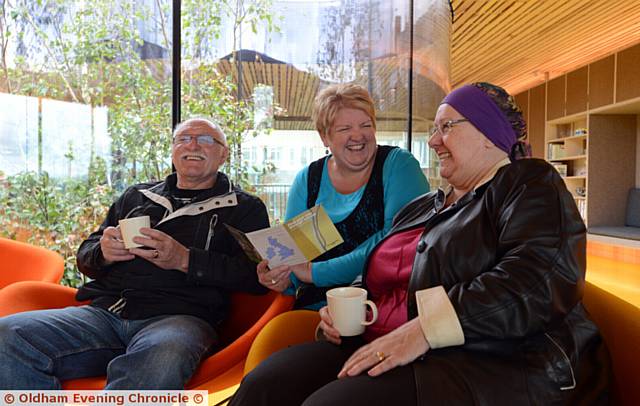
39,349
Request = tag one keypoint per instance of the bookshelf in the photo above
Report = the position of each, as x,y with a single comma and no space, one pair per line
566,148
602,162
595,153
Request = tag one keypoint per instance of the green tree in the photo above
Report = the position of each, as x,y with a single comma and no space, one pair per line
91,53
206,92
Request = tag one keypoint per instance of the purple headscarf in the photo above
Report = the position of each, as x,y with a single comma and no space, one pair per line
481,110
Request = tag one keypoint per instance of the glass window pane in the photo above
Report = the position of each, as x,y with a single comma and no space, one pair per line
18,134
431,67
256,58
85,110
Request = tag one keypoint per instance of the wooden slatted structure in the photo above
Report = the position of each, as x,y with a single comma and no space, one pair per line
293,89
519,43
294,92
516,44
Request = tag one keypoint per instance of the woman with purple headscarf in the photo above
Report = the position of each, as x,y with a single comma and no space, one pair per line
478,287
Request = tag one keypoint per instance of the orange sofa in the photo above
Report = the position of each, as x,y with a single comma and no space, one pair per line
286,329
25,262
249,313
619,323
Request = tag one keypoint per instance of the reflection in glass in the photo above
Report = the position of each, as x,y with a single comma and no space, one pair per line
431,70
302,47
85,95
18,134
85,91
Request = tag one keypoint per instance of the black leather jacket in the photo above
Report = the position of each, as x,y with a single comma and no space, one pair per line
511,256
217,264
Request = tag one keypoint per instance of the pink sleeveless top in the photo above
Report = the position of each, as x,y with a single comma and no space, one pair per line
388,281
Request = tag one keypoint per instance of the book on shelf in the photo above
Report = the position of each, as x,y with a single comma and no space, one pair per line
561,168
580,131
555,151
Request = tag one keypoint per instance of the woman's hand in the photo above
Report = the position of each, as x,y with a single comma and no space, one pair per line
275,279
399,347
326,325
167,253
303,272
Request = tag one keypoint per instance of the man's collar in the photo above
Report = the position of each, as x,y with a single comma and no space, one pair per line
222,186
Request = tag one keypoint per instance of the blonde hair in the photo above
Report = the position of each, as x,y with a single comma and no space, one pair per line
335,97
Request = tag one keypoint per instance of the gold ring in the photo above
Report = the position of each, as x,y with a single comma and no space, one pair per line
380,356
156,253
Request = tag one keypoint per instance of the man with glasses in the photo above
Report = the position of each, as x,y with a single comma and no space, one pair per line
154,309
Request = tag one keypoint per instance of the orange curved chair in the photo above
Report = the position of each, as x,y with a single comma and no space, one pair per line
619,324
618,321
284,330
26,262
249,313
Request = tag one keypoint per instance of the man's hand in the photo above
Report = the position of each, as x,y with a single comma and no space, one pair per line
275,279
167,253
112,246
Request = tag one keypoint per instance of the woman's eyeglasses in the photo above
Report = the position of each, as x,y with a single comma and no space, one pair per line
445,127
204,139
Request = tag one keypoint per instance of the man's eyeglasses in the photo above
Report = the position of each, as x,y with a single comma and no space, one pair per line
203,139
445,127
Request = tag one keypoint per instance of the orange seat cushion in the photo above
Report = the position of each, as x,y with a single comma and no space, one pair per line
619,324
25,262
249,314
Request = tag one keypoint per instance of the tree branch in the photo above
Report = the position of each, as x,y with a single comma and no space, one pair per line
38,32
163,24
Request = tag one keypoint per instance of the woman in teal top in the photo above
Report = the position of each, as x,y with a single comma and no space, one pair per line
360,185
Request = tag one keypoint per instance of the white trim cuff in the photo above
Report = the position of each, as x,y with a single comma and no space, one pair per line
438,318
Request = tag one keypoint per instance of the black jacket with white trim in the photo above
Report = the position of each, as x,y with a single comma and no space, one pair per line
138,289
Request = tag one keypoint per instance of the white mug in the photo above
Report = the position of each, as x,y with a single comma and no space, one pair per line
347,307
130,228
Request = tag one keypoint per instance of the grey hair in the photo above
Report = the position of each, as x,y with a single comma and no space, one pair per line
180,126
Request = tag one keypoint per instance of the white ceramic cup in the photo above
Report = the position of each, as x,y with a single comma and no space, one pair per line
130,228
348,309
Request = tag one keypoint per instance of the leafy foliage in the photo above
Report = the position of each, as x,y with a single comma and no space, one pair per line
57,214
92,53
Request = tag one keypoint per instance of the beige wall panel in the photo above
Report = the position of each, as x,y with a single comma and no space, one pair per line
601,82
577,85
522,100
612,167
628,74
536,122
555,98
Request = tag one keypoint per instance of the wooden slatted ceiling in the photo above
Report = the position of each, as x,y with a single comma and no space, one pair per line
295,90
518,44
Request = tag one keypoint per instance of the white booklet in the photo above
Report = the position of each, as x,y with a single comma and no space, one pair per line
301,239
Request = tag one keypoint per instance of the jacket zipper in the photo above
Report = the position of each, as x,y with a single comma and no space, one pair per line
211,233
132,210
564,354
117,307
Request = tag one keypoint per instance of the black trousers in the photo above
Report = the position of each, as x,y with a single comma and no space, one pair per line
306,374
